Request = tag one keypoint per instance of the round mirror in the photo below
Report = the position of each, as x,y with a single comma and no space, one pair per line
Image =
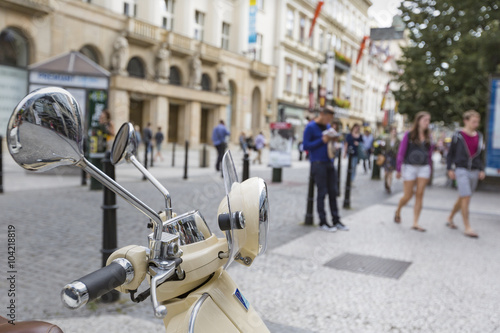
45,130
125,144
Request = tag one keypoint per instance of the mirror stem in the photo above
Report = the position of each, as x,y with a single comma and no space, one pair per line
156,183
130,198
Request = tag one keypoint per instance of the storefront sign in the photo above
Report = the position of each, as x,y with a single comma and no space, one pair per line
68,80
281,145
493,130
13,88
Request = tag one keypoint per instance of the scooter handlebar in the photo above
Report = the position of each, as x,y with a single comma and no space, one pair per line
97,283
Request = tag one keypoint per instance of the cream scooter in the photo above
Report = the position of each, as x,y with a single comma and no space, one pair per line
184,263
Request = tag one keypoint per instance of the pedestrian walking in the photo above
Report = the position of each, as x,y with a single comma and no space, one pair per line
260,143
317,135
147,137
414,163
137,130
353,144
159,140
390,153
368,148
465,156
219,135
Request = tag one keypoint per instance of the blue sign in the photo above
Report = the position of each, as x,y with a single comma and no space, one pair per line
252,33
493,130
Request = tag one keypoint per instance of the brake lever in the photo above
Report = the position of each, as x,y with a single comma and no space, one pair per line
159,275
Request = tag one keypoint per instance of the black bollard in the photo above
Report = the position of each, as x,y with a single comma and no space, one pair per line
277,175
339,168
1,164
146,146
310,200
109,235
204,163
347,195
173,154
186,161
246,166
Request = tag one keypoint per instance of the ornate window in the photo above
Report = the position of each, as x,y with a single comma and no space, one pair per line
175,76
14,48
168,14
199,22
91,53
135,68
225,36
206,83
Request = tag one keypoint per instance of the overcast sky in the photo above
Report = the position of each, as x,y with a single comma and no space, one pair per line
382,11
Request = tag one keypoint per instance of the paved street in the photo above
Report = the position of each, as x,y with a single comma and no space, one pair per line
451,284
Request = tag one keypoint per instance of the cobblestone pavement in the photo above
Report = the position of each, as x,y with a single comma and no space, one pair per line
451,285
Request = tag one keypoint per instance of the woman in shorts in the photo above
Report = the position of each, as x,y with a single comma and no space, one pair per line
414,164
465,154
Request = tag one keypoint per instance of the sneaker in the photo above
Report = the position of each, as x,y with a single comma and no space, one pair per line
340,226
326,227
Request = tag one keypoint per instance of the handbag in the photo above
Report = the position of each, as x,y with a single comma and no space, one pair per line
380,159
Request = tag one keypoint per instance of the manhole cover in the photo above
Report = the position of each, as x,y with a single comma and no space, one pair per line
370,265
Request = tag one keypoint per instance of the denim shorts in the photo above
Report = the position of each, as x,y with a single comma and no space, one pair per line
412,172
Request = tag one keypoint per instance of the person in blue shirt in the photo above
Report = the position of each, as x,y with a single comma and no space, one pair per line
219,140
316,141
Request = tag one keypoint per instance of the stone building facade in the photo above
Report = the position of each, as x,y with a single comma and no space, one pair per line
161,71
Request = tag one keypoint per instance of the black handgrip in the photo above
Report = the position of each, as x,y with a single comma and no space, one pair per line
94,285
104,280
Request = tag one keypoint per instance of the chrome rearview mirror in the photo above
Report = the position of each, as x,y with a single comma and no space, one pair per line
45,131
124,148
125,144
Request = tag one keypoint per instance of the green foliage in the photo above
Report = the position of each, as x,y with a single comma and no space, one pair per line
454,47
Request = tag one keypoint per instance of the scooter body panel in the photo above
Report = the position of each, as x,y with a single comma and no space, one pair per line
220,303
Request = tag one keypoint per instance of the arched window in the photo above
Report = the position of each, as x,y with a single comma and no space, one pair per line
206,83
175,76
14,48
135,68
91,52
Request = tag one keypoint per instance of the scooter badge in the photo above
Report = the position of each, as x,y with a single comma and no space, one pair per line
242,299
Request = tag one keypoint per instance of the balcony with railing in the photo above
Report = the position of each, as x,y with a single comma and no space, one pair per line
259,70
142,33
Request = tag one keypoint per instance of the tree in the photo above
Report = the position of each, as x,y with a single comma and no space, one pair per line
453,48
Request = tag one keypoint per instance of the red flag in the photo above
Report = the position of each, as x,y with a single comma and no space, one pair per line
316,14
361,48
389,57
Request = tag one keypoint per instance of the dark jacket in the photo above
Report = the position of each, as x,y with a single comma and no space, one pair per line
460,156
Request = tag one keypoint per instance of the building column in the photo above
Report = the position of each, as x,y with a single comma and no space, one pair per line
118,105
158,113
192,123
